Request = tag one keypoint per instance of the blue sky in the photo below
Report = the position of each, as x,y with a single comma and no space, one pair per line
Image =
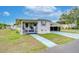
9,14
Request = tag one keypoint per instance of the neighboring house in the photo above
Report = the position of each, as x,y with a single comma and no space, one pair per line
8,27
68,26
35,26
63,25
13,27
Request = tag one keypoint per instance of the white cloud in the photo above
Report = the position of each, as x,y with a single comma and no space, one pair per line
6,13
42,8
43,12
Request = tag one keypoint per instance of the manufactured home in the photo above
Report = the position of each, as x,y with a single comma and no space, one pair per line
40,26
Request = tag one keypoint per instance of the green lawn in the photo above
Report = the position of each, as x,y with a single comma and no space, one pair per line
10,41
57,38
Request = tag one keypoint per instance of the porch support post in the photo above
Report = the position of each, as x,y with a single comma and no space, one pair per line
21,28
28,27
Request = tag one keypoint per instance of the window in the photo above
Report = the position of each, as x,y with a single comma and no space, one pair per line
43,23
42,30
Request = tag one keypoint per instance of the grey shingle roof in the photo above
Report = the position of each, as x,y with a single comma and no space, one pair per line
33,20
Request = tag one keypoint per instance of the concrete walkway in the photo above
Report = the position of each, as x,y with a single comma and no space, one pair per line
44,40
71,35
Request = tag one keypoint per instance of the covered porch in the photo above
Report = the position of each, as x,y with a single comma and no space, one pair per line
29,27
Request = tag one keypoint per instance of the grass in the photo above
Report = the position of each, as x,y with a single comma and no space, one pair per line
71,30
57,38
10,41
8,36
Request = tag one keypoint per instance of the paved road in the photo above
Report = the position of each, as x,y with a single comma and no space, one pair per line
71,35
72,47
43,40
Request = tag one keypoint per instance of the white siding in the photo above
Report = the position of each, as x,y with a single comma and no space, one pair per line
42,29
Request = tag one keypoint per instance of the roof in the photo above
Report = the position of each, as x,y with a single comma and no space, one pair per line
33,20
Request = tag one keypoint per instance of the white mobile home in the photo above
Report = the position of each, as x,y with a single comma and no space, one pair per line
35,26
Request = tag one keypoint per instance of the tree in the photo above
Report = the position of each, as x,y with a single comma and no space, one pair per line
2,25
65,18
18,21
72,16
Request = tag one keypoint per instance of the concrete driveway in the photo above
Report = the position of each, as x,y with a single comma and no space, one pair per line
72,47
45,41
71,35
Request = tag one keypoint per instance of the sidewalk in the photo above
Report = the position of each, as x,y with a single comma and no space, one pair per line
44,40
71,35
